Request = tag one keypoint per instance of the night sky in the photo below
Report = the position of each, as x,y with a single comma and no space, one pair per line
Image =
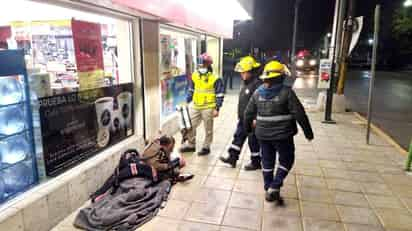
271,28
274,22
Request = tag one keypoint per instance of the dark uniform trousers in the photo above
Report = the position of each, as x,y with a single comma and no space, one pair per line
239,138
286,151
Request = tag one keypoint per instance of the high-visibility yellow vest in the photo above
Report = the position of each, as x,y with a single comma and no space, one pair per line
204,96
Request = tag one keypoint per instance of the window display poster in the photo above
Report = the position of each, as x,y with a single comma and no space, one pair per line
167,97
87,39
165,54
173,93
5,33
179,89
74,130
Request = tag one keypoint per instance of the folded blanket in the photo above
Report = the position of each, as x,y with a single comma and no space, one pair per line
135,202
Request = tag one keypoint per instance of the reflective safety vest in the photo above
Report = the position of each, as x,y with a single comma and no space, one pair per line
204,95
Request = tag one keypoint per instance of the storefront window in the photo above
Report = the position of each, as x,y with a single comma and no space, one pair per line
80,77
213,49
178,52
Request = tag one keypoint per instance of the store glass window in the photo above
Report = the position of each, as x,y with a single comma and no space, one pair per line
213,49
178,52
80,80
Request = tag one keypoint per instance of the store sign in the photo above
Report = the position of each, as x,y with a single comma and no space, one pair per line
87,39
325,73
74,130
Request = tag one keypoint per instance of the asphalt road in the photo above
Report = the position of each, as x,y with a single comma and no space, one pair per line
392,101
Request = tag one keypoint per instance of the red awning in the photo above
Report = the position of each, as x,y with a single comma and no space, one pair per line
176,12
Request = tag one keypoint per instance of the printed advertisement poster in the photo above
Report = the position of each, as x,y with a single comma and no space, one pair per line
325,67
87,39
165,54
74,130
5,33
173,93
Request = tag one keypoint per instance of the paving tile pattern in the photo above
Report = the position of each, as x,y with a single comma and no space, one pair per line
338,183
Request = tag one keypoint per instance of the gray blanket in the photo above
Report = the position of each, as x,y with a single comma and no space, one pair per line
135,202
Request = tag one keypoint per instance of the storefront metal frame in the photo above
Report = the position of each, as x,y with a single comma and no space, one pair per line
200,35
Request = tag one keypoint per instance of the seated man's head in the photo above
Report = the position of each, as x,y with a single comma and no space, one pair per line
167,142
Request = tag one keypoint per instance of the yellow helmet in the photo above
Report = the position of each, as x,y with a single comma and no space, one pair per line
247,63
273,69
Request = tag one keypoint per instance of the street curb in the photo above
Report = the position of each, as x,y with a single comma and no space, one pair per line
383,135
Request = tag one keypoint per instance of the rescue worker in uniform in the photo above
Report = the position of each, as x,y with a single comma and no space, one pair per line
207,92
274,110
249,71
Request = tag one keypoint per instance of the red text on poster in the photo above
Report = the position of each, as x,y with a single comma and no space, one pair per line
88,47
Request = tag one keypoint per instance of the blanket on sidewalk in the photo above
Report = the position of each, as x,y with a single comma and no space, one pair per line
135,202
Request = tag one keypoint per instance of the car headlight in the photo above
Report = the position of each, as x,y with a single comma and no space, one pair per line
313,62
300,63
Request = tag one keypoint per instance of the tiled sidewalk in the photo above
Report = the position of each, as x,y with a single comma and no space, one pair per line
338,183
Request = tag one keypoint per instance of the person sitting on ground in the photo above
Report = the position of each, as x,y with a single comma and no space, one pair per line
158,154
155,163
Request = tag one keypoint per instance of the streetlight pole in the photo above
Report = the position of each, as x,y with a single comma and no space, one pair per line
295,32
334,50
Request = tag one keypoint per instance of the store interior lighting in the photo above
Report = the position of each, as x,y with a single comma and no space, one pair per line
34,11
224,10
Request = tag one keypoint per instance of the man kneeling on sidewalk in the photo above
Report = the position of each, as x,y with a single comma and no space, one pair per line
274,110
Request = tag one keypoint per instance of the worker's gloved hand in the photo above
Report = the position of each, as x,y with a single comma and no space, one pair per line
309,137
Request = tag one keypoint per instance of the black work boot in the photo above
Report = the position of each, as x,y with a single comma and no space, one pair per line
280,202
253,165
187,149
272,195
231,159
184,177
204,152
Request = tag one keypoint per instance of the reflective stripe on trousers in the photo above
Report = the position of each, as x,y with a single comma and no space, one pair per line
239,139
286,151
